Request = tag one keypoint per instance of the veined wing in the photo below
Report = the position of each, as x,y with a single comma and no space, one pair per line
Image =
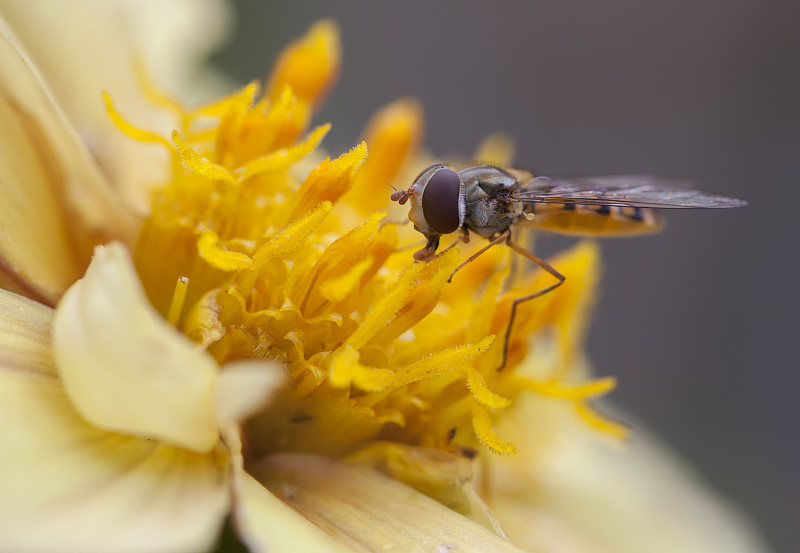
619,190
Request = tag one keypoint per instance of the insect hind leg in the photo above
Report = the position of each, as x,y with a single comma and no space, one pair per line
539,293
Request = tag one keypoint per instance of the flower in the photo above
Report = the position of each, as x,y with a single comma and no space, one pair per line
256,341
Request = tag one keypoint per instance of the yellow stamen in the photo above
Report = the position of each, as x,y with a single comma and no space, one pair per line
292,236
178,298
346,369
482,424
152,92
582,391
601,423
215,252
198,164
238,101
442,362
482,394
134,132
281,159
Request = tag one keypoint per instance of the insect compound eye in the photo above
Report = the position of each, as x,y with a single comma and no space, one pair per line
440,201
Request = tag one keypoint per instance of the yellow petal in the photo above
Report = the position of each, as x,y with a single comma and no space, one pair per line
393,136
54,202
407,301
310,65
496,149
69,486
345,369
124,367
327,182
335,274
337,289
370,511
25,335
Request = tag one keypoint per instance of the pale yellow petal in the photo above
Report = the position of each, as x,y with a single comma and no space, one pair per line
69,486
37,256
245,386
262,521
267,525
124,367
54,202
170,36
445,477
370,511
625,498
25,335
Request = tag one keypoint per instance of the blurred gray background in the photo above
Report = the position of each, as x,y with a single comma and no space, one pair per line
700,323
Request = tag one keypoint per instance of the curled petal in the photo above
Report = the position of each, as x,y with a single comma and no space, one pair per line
124,367
70,486
243,387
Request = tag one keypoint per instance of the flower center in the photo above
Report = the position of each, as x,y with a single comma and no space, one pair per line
255,252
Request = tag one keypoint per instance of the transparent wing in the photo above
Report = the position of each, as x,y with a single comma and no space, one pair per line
619,190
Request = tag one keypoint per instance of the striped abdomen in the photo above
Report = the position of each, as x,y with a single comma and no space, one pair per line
588,219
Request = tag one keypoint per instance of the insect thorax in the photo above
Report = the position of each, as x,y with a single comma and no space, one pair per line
486,213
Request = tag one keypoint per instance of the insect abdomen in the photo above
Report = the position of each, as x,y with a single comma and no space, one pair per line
591,220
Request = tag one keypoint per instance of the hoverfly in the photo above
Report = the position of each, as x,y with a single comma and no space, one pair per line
489,201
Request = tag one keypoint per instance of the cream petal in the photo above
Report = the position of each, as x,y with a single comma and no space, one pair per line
266,524
262,521
625,498
25,335
245,386
124,368
54,203
369,511
69,486
171,37
442,476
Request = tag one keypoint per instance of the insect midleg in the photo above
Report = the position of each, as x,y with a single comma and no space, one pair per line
544,265
503,236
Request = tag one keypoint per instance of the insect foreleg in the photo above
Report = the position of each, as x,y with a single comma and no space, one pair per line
544,265
505,235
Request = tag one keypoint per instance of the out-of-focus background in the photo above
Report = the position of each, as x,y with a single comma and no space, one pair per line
700,323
